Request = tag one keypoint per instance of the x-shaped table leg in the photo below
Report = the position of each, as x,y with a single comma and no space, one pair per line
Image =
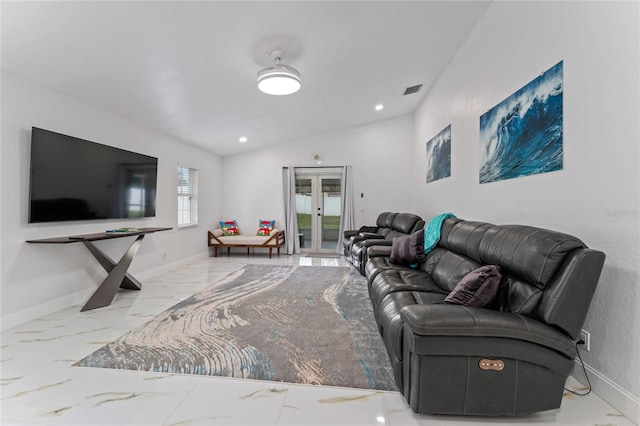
117,277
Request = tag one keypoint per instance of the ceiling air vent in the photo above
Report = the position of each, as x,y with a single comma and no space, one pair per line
412,89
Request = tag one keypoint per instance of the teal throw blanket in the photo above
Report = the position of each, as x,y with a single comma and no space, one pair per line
432,231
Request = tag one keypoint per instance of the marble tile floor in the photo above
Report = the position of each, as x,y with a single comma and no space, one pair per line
39,385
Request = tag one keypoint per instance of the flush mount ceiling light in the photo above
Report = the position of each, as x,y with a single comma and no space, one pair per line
279,79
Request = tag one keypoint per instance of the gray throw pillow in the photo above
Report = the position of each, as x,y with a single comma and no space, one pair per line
409,249
477,288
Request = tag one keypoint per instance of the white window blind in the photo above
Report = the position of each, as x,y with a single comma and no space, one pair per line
187,196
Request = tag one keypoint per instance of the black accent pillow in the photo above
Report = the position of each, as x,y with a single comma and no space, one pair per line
477,288
409,249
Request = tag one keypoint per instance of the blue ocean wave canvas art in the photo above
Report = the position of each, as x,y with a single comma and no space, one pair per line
439,155
522,135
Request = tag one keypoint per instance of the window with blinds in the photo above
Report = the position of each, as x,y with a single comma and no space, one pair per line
187,196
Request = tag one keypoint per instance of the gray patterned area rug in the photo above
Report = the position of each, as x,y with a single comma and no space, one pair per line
296,324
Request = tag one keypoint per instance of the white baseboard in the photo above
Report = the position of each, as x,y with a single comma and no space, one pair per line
170,266
34,312
611,393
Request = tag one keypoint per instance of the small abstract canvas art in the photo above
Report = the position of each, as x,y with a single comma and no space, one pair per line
522,135
439,155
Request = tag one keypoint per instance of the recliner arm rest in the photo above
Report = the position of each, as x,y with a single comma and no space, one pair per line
456,320
370,242
350,233
355,239
369,230
379,251
371,235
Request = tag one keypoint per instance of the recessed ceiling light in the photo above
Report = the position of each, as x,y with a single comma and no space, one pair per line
242,139
379,107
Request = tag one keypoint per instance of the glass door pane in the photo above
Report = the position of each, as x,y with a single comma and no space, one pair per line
304,201
331,203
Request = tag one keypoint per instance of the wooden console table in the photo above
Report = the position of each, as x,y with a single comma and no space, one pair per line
117,272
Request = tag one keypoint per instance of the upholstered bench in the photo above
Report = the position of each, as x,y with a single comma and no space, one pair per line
274,240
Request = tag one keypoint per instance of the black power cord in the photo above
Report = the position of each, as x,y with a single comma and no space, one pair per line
581,342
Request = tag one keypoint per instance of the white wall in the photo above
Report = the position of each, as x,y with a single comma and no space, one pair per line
38,279
379,154
596,195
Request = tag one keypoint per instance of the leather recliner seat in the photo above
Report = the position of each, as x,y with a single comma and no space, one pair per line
383,226
511,357
396,225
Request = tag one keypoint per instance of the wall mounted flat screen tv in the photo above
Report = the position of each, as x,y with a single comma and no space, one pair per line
75,179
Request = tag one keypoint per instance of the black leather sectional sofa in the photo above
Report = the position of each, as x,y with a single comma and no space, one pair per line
508,358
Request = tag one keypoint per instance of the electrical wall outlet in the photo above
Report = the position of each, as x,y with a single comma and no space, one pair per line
586,338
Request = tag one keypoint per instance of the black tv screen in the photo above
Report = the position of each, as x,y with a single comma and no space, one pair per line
76,179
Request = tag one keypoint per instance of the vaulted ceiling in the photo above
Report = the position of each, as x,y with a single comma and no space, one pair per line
188,69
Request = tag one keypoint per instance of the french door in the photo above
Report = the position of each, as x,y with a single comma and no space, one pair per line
318,208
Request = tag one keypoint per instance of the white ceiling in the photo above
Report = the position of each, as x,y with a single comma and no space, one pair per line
188,69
